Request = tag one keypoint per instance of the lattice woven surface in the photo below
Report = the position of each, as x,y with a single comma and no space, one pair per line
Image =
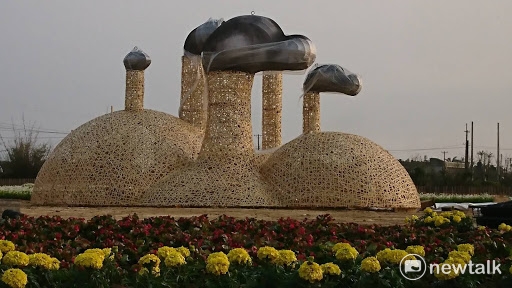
332,169
225,172
193,91
311,112
113,159
134,93
272,92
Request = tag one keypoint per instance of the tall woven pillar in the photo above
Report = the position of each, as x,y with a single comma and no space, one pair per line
311,112
228,128
272,110
134,93
193,91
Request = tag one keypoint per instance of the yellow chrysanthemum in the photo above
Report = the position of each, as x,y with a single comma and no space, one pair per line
464,256
268,252
504,227
382,255
393,256
105,251
440,220
239,256
40,260
414,218
54,264
90,260
370,264
468,248
339,246
428,219
428,210
217,263
6,246
460,214
15,258
285,257
149,261
416,249
185,252
155,271
15,278
165,251
453,273
310,271
347,254
330,269
174,259
481,227
510,270
456,219
446,214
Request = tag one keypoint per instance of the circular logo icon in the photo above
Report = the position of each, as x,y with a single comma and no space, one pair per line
413,269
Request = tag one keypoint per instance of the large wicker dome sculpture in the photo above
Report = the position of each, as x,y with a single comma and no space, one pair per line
225,172
113,159
333,169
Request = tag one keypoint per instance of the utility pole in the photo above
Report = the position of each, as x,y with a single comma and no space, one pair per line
466,160
444,155
258,135
472,144
498,155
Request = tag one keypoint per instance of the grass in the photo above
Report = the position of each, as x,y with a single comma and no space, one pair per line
454,198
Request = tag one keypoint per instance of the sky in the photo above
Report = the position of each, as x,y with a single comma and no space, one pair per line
428,67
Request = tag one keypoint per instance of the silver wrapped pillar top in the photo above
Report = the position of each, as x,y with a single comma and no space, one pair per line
136,60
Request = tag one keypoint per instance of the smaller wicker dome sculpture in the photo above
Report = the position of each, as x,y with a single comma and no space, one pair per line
225,172
113,159
333,169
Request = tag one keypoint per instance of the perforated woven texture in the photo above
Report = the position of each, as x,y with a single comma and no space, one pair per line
332,169
111,160
225,173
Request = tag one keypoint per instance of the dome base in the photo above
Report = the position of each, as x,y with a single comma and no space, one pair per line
207,183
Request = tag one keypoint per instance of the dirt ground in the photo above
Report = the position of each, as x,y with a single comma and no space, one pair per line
356,216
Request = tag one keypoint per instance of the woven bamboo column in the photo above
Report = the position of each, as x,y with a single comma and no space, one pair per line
272,110
134,93
193,97
311,112
228,128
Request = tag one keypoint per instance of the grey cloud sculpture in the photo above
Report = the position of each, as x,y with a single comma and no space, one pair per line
332,78
197,37
252,43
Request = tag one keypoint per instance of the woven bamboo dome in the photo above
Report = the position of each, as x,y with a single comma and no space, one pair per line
226,170
333,169
113,159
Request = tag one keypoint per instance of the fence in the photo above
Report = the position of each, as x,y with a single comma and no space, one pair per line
13,182
462,190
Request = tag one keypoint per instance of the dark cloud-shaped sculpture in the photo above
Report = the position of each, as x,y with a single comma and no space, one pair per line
253,43
197,37
136,60
332,78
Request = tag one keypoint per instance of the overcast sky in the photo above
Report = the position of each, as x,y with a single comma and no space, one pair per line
428,67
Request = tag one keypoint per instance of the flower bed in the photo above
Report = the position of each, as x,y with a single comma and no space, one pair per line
226,252
22,192
457,198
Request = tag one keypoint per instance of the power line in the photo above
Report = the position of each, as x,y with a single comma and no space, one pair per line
426,149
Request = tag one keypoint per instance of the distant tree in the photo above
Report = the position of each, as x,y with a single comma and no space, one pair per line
24,155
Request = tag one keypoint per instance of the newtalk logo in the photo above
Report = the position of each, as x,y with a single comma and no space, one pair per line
415,269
